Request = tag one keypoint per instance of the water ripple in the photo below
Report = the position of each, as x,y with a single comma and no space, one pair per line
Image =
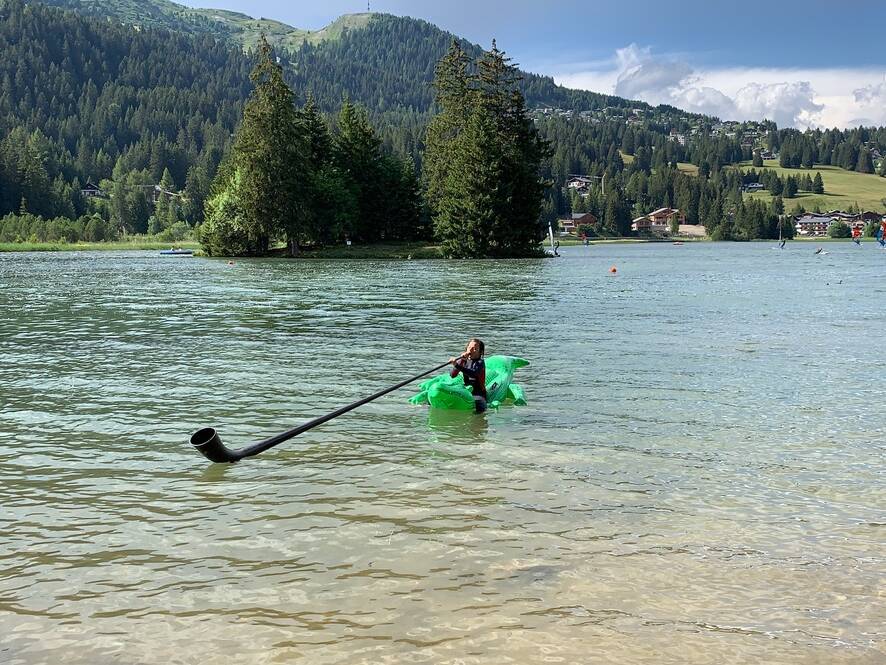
698,476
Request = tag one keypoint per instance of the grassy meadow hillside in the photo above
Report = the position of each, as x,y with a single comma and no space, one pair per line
842,188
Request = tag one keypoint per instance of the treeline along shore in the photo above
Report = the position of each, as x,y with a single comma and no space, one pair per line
104,138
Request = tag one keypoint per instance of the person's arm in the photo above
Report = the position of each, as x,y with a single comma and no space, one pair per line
456,365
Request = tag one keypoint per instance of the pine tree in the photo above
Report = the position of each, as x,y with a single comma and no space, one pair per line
269,170
321,223
784,157
484,188
453,93
807,157
627,142
758,159
818,184
864,163
777,206
357,154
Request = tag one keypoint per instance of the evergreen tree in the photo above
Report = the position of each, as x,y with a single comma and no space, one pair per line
269,170
807,157
328,216
487,196
778,206
864,163
357,151
617,216
453,92
818,184
627,142
758,159
790,188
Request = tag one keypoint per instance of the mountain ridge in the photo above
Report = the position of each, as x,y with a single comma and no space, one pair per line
242,29
227,24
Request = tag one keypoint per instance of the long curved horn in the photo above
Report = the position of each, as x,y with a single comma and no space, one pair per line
209,443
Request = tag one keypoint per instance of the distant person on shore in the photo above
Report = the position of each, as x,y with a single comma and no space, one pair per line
471,366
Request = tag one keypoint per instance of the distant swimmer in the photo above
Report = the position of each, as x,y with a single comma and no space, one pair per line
818,251
781,244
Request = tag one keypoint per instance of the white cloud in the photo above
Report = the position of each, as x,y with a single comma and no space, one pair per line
788,104
835,97
640,76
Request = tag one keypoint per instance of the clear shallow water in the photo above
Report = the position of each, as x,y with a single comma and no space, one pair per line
698,476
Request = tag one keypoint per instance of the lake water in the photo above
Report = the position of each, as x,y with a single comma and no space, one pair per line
698,476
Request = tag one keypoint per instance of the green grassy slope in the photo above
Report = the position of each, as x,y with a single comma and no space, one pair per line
219,23
842,188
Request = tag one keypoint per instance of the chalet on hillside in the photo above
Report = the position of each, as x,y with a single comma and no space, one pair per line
657,221
91,190
579,183
678,137
576,220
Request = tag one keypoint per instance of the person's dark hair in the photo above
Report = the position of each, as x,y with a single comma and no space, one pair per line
480,344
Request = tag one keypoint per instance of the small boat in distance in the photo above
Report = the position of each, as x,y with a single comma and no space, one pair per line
176,252
678,242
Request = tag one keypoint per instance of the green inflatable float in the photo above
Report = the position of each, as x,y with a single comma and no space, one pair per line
446,392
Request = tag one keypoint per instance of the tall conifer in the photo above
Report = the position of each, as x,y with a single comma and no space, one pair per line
483,162
268,178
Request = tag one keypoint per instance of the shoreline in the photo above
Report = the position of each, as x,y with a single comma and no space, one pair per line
402,251
133,246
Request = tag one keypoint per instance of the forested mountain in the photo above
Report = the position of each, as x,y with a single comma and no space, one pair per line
378,60
83,100
94,95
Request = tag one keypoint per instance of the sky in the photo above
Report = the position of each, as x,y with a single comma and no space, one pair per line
811,63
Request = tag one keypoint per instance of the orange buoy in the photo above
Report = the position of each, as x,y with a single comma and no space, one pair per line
613,270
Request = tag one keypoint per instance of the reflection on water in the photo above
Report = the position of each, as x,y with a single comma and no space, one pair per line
697,476
458,426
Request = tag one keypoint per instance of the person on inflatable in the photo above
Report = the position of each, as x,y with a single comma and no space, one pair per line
472,368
